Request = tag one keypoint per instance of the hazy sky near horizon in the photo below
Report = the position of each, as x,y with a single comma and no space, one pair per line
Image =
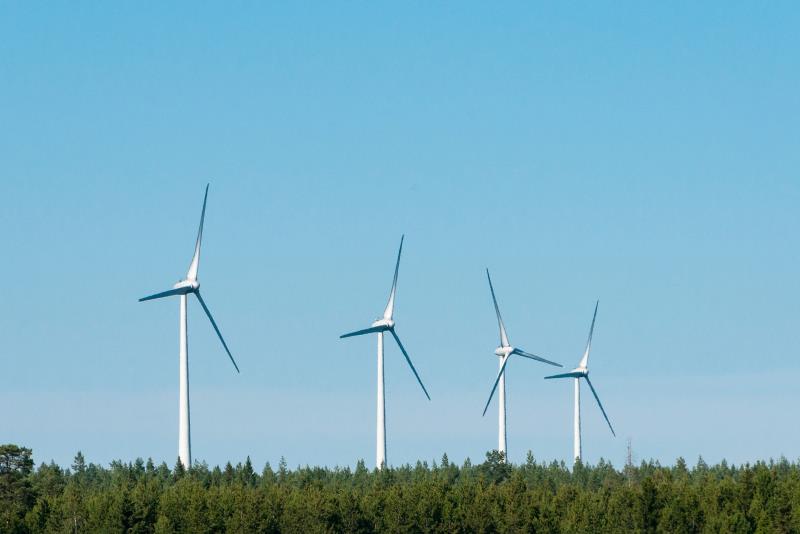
643,154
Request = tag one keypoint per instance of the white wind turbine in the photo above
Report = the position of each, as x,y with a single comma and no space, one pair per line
183,288
386,324
582,371
504,351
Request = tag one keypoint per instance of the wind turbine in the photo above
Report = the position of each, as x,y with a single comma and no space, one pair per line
386,324
504,352
183,288
582,371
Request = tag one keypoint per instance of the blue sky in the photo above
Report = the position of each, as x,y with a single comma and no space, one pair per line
645,155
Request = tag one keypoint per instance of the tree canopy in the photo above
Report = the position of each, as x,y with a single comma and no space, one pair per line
491,496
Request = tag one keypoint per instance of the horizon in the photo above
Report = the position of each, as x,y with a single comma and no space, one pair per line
430,464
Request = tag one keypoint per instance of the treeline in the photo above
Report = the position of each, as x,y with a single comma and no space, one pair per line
492,496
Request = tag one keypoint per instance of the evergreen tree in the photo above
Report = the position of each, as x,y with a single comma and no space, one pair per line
79,464
178,471
16,492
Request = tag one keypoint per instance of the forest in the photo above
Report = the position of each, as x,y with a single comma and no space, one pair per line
440,496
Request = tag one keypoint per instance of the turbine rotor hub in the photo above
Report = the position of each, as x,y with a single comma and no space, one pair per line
502,352
194,285
388,323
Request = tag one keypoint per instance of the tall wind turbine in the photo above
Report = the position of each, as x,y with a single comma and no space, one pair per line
188,285
386,324
504,352
582,371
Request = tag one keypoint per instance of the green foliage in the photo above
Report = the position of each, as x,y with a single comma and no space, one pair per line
16,488
493,496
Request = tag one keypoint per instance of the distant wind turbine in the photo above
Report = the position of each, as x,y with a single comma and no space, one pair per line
386,324
183,288
504,351
582,371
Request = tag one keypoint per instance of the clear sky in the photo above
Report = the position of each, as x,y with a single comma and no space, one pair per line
643,154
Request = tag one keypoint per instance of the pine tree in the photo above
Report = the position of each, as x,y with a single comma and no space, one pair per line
16,493
178,471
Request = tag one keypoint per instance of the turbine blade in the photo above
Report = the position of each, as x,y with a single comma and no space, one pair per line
216,329
585,360
503,336
496,381
370,330
600,405
571,374
194,266
403,350
521,352
387,313
178,291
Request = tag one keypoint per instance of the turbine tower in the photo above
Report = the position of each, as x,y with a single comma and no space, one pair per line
188,285
504,351
386,324
582,371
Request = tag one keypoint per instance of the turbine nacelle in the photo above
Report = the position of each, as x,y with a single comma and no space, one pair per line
502,352
190,285
388,324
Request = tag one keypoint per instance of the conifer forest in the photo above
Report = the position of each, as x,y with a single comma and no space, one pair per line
436,496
